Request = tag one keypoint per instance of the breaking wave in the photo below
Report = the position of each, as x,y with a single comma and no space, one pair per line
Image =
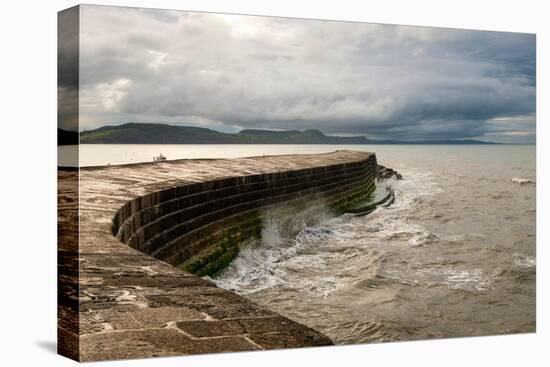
523,261
522,180
324,258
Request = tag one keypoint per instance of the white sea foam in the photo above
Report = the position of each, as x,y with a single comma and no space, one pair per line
523,180
265,265
523,261
471,280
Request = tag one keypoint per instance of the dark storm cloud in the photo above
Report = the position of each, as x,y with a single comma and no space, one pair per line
67,69
388,82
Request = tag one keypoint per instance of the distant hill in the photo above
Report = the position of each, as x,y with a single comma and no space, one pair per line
134,133
148,133
65,137
435,142
300,137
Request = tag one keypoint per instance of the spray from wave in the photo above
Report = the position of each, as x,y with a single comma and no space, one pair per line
262,264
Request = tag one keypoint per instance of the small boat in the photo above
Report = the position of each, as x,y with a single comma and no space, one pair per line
159,157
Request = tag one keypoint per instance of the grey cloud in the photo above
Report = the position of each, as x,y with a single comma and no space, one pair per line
67,69
382,81
168,16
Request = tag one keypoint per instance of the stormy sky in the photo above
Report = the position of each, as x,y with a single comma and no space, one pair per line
229,72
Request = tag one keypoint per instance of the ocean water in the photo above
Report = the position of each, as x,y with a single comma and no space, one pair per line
453,256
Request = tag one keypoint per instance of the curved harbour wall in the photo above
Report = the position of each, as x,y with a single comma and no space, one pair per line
199,227
129,301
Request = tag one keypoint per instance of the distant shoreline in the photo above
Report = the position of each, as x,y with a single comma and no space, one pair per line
297,144
150,133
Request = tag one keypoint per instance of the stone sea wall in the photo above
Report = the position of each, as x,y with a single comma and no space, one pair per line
199,227
125,230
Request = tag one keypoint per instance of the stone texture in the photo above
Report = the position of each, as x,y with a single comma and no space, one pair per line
385,173
156,342
116,301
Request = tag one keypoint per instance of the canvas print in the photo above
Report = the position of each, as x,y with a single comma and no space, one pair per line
233,183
